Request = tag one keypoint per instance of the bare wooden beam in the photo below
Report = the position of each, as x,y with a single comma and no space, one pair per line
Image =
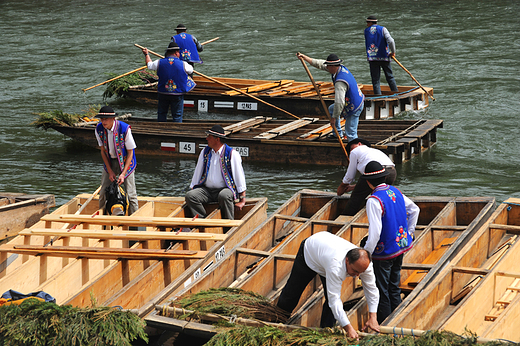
470,270
129,235
140,221
105,253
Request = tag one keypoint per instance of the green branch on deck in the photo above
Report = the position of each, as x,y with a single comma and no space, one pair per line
119,86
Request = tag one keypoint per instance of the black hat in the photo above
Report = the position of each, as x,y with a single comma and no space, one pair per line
180,27
333,60
216,131
372,19
356,141
172,46
106,112
374,170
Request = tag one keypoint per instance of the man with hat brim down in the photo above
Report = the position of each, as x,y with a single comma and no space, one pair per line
174,82
392,218
360,154
188,44
118,153
218,177
334,259
380,47
349,101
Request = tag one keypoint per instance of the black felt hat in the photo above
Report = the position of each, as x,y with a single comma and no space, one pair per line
180,27
333,60
356,141
172,46
106,112
372,19
216,131
374,170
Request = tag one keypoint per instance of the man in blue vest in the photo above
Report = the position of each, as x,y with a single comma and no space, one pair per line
174,82
348,98
118,153
189,45
218,177
392,218
380,47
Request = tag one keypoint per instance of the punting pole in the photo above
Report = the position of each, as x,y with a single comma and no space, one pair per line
317,88
227,86
415,80
138,69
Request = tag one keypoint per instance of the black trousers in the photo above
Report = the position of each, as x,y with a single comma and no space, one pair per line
299,278
358,196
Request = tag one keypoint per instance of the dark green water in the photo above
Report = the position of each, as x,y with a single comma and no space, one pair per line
467,50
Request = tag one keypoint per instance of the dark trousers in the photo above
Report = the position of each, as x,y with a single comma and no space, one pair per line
388,277
300,277
358,196
173,102
375,73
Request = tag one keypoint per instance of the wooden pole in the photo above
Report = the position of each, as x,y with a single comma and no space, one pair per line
139,69
112,79
415,80
317,88
226,85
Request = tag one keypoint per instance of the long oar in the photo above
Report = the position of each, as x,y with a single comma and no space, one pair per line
227,85
415,80
317,88
138,69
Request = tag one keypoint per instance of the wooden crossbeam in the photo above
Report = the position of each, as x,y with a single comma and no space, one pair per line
104,252
294,89
508,228
236,127
129,235
293,125
140,221
260,87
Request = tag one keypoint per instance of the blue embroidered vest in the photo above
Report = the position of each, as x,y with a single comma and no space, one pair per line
172,77
187,47
375,44
120,131
225,168
394,239
354,98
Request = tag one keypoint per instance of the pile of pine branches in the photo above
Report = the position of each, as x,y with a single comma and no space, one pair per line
232,301
119,86
41,323
47,120
271,336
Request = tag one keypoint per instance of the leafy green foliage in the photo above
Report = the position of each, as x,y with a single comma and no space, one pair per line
56,117
119,86
40,323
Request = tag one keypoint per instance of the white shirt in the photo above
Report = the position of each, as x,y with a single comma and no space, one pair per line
374,214
360,157
215,179
154,65
325,253
129,141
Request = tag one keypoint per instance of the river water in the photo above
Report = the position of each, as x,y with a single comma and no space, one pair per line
467,50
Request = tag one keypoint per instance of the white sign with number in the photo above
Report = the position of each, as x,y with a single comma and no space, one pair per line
243,151
220,253
202,106
187,147
247,106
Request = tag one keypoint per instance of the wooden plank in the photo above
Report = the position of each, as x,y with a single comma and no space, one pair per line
261,87
104,253
296,89
236,127
140,221
130,235
293,125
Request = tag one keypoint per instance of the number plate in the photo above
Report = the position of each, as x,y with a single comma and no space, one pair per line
187,147
247,106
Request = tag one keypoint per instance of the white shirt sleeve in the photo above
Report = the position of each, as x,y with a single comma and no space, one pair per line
334,284
350,175
340,89
198,170
389,40
129,140
188,68
413,214
374,214
238,171
153,65
368,280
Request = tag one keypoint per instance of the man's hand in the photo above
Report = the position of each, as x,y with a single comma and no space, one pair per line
351,332
372,322
121,179
240,204
111,175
